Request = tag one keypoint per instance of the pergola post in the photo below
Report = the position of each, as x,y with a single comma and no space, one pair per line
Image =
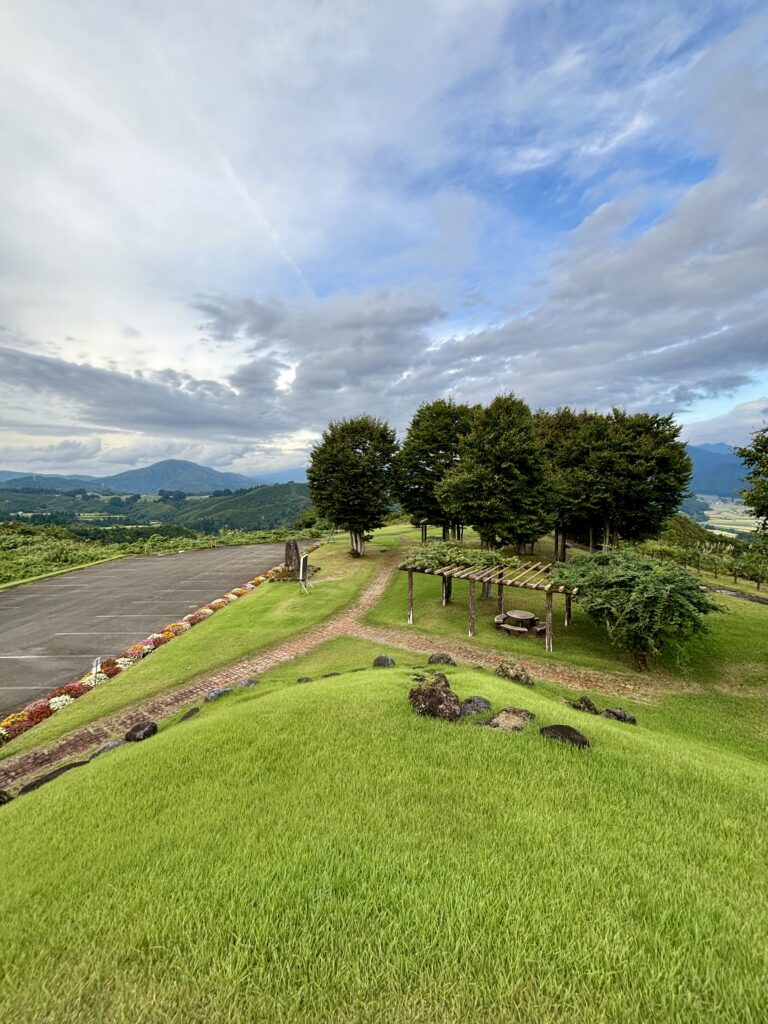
548,646
567,609
500,601
471,607
447,589
410,597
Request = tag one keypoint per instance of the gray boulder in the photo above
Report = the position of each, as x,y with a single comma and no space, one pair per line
141,731
620,715
219,691
565,733
189,713
383,661
304,679
475,706
440,659
249,682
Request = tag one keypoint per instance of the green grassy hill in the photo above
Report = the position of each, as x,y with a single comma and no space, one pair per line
316,852
260,508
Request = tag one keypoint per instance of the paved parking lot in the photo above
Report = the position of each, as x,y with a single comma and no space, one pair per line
51,630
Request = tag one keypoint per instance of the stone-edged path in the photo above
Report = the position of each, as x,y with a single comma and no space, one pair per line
18,768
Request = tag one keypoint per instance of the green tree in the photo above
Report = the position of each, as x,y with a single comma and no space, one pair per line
646,606
350,476
755,494
498,485
430,449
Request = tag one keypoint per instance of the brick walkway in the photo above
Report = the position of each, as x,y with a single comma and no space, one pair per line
17,769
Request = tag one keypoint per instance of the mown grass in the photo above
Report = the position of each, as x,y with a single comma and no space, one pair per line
271,613
734,650
316,852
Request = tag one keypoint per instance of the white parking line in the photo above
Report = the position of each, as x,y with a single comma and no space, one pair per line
60,657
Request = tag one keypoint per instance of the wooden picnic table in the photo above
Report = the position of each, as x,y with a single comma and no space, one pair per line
521,618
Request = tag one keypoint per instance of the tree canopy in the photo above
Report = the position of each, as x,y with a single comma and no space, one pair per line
755,494
350,475
431,447
498,485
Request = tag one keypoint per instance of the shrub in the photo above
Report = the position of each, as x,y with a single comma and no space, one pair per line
646,606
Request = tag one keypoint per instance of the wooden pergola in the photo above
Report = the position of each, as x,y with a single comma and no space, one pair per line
530,576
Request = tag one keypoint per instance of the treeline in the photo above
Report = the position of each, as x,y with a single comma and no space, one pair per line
510,473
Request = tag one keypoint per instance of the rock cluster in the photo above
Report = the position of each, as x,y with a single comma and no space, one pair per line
440,659
141,731
588,705
475,706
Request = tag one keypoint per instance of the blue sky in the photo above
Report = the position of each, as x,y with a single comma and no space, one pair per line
222,224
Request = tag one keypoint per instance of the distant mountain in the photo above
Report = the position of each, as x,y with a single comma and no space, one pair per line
716,470
261,508
174,475
46,482
284,476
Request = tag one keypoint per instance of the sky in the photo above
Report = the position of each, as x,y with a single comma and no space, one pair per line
225,223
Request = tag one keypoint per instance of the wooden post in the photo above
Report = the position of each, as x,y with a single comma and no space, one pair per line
568,601
500,602
548,646
471,607
486,590
448,589
410,597
291,558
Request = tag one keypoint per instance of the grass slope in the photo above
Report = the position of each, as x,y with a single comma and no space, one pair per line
318,853
272,613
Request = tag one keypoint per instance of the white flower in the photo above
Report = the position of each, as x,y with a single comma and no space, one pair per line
57,703
124,663
4,735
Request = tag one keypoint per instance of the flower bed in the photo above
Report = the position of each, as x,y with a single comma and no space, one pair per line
15,724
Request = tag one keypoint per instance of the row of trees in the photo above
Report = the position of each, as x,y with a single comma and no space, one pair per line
508,472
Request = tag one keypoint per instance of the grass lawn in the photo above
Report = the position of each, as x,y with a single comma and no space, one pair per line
734,651
271,613
316,852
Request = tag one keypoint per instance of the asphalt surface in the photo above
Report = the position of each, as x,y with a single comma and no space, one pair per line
51,630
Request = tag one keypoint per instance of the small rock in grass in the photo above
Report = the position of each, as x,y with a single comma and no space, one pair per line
5,797
440,659
330,675
566,733
475,706
249,682
189,713
515,671
112,745
435,699
304,679
383,661
418,677
620,715
141,731
583,704
511,719
219,691
50,776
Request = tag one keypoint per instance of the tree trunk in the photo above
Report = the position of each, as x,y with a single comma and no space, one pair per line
357,541
549,636
568,609
472,616
591,540
410,597
446,532
606,535
557,544
562,542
